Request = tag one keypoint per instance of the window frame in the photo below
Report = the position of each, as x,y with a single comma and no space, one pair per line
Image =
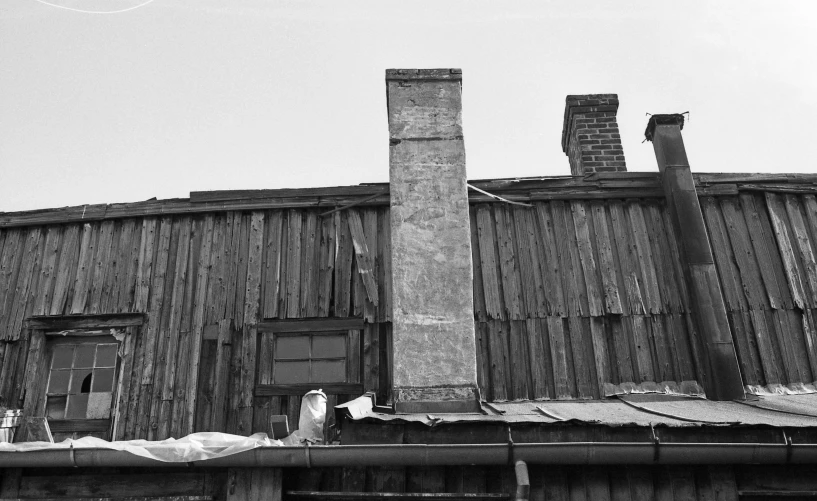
267,330
123,327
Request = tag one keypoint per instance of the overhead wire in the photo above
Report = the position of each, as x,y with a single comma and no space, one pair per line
134,7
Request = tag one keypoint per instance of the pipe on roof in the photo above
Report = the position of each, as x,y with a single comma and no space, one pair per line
578,453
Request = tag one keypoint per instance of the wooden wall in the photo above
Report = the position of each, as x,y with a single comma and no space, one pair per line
765,247
190,275
570,295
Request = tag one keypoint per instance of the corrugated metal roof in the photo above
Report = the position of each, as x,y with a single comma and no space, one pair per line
782,411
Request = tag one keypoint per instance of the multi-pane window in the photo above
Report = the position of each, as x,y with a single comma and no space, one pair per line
318,357
81,379
296,356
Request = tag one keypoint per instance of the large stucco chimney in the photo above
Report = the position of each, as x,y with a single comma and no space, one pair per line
434,364
590,136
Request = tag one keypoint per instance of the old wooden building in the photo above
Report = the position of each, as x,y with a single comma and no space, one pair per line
604,335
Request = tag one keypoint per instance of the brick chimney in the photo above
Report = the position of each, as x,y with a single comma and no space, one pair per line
434,346
590,136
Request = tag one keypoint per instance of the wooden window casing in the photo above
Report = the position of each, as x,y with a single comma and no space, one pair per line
316,353
48,332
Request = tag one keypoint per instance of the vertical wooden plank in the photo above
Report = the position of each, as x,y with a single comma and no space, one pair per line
327,265
539,360
600,352
343,265
272,265
26,279
744,253
627,259
144,272
249,333
84,270
724,256
723,483
746,347
519,360
370,231
684,350
130,263
664,361
643,350
804,244
293,290
551,261
53,243
588,263
494,306
607,262
157,290
668,279
101,262
642,486
221,376
205,262
558,354
771,370
533,291
384,246
32,379
233,266
310,243
117,264
500,367
652,294
371,357
176,308
124,384
9,268
620,327
582,360
240,277
765,249
484,360
793,272
365,266
476,262
810,337
217,283
575,292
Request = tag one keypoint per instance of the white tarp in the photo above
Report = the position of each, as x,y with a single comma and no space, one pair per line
195,447
199,446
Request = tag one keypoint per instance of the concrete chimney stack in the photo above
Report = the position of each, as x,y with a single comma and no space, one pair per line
590,136
434,345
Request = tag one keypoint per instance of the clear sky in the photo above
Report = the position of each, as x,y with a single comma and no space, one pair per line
187,95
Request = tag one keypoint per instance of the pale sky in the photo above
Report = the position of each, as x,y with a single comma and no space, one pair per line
188,95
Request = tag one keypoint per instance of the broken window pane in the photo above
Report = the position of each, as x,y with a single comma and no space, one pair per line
328,371
291,347
103,380
77,406
77,378
58,382
106,355
84,355
63,355
55,407
329,346
99,405
291,372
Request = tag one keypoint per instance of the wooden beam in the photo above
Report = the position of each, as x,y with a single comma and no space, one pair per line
324,324
270,390
68,322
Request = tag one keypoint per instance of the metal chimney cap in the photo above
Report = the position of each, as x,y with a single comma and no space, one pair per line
668,119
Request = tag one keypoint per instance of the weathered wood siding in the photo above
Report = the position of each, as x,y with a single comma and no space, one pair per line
765,248
570,295
215,274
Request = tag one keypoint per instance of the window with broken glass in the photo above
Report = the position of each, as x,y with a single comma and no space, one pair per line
81,385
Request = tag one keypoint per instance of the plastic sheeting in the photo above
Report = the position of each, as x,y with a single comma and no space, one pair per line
195,447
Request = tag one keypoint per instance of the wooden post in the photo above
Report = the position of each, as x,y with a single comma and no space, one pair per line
709,310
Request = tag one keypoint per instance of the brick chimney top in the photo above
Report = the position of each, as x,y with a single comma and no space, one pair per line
590,136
